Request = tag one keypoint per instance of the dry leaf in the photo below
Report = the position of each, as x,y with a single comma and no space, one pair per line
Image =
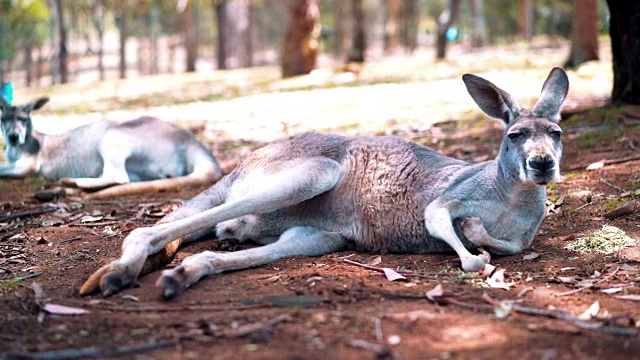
612,290
487,270
595,166
63,310
497,281
633,297
531,256
375,261
591,312
392,275
88,219
435,293
503,309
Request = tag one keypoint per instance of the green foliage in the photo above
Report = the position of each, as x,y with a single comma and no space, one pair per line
23,23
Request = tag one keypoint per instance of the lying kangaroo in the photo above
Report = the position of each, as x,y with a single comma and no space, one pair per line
153,153
313,194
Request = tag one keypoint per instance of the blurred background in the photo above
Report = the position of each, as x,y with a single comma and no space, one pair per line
45,42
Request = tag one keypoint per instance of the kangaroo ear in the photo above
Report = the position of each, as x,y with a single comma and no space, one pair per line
34,105
494,101
553,93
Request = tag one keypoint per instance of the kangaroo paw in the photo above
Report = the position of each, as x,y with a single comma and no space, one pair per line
174,281
110,279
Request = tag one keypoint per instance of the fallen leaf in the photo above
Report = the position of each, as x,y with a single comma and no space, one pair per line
487,270
435,293
633,297
375,261
63,310
503,309
531,256
392,275
591,312
497,281
87,219
612,290
595,166
393,340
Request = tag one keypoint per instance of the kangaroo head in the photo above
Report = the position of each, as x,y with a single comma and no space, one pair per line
16,120
532,146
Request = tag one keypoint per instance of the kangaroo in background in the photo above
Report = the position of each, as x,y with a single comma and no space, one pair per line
141,155
314,193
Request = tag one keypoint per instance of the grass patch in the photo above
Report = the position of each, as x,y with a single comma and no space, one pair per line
591,139
607,240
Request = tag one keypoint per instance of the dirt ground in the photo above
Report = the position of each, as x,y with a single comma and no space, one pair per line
324,307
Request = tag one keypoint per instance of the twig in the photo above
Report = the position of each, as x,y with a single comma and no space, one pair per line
379,351
92,352
20,278
611,185
69,240
380,270
29,213
607,162
212,308
96,224
248,329
589,286
11,245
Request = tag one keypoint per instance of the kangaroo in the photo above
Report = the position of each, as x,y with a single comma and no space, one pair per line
313,194
141,155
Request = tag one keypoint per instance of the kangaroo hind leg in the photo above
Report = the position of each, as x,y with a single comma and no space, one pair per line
296,182
295,241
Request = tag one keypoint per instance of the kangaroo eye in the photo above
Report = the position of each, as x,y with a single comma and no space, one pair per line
556,133
514,136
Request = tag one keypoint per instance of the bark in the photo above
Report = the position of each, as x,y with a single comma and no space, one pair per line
624,29
525,22
410,18
189,24
447,18
122,66
391,33
63,55
302,38
358,43
584,35
28,63
220,9
98,24
479,30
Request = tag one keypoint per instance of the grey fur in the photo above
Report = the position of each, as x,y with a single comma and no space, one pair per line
103,153
318,193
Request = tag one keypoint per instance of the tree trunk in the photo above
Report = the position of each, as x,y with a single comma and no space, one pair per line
525,21
410,18
302,38
359,40
189,23
63,55
122,67
339,31
249,33
98,24
584,35
28,63
624,29
220,8
391,33
479,30
445,20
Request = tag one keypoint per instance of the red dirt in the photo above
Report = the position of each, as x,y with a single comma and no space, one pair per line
229,316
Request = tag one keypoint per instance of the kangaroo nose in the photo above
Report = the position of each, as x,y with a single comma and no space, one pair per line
542,164
13,138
